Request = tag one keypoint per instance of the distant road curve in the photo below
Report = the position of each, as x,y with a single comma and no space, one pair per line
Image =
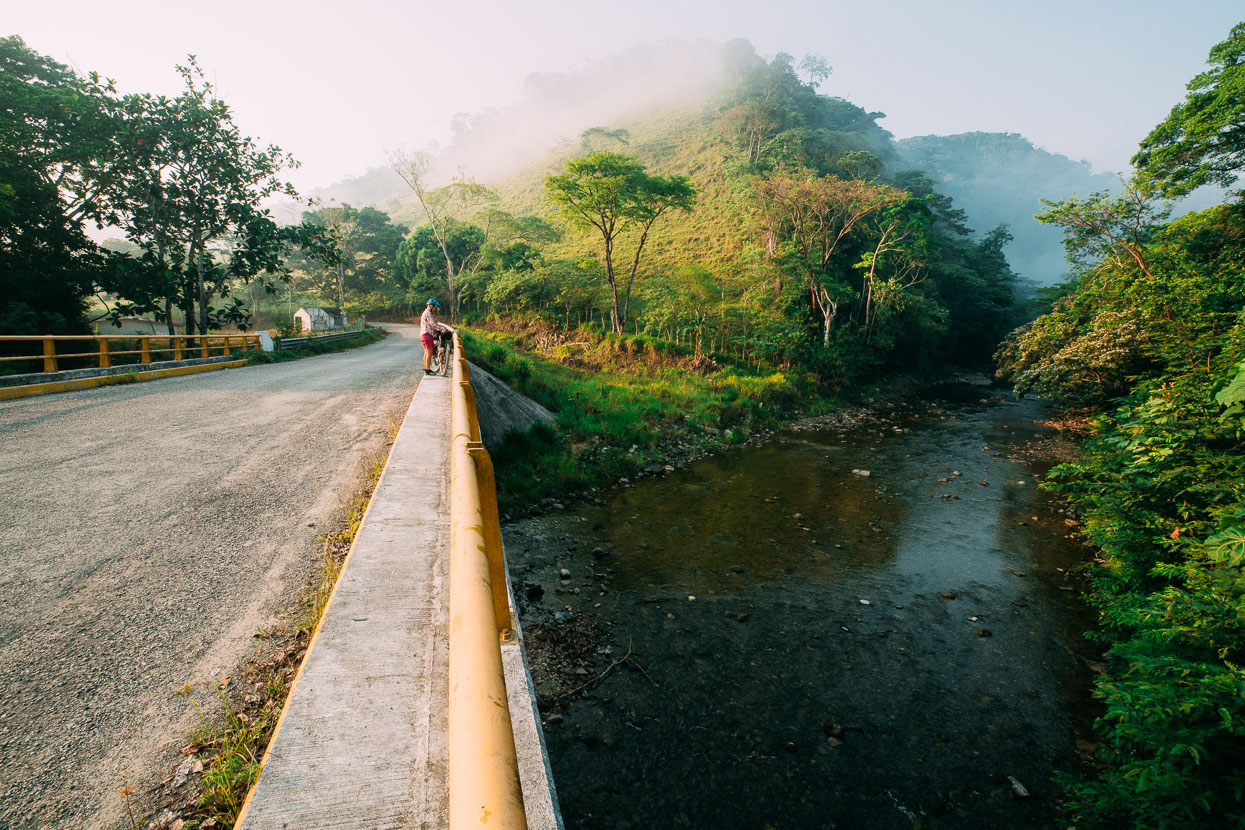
146,532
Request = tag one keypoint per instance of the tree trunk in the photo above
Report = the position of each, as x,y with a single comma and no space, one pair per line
635,264
203,298
615,320
829,310
452,288
168,301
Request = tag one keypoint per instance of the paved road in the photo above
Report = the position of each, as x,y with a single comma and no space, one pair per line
146,531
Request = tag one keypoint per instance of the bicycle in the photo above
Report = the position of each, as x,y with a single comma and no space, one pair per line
442,354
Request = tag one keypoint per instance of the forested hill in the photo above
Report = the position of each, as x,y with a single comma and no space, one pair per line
807,243
761,119
998,178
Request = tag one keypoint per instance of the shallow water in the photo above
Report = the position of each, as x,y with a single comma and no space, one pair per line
885,651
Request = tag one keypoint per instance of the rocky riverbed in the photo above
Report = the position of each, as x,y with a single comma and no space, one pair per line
868,620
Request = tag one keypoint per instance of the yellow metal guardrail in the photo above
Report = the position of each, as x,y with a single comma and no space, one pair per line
483,766
176,345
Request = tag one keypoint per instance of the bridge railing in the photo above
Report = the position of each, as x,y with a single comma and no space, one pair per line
288,342
102,349
483,768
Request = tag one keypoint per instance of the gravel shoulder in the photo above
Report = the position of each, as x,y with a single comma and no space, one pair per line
146,532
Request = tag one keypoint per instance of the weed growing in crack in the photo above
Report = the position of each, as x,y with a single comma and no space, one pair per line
127,791
236,749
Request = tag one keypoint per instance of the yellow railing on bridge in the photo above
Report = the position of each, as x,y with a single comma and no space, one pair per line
484,782
176,346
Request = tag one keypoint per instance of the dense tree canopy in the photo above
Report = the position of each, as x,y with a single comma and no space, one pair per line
1202,140
1148,337
50,126
175,174
366,245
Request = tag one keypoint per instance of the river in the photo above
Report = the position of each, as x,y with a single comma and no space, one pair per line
787,642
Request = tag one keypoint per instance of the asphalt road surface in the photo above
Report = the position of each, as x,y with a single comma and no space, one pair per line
146,532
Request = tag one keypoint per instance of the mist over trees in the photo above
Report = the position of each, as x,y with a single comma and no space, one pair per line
1001,178
800,249
708,244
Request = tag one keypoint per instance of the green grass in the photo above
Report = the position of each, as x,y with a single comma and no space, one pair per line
625,404
237,749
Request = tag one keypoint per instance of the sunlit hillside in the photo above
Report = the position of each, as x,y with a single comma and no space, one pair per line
996,178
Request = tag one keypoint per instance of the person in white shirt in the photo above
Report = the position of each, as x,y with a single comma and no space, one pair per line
428,329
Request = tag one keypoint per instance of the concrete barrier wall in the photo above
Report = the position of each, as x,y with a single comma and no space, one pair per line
361,742
78,374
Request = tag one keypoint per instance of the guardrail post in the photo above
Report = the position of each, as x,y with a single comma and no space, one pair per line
177,346
49,354
203,346
146,347
226,351
105,359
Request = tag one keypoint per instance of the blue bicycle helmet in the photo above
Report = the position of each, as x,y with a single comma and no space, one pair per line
433,302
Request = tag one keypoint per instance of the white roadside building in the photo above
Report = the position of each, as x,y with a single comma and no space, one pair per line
320,319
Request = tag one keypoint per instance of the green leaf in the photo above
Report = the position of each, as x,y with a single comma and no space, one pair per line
1227,546
1233,394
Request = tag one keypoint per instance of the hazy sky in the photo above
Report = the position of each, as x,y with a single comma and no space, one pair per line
338,82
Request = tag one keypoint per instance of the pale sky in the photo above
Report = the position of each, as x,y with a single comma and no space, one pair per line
338,83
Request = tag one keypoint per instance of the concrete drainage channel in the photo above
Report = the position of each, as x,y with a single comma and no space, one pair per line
362,740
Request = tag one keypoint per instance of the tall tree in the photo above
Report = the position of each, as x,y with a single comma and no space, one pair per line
426,258
1102,226
1202,140
442,206
375,256
196,197
816,214
613,194
341,223
897,259
56,133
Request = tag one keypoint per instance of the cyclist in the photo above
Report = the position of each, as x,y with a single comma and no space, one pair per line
428,326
